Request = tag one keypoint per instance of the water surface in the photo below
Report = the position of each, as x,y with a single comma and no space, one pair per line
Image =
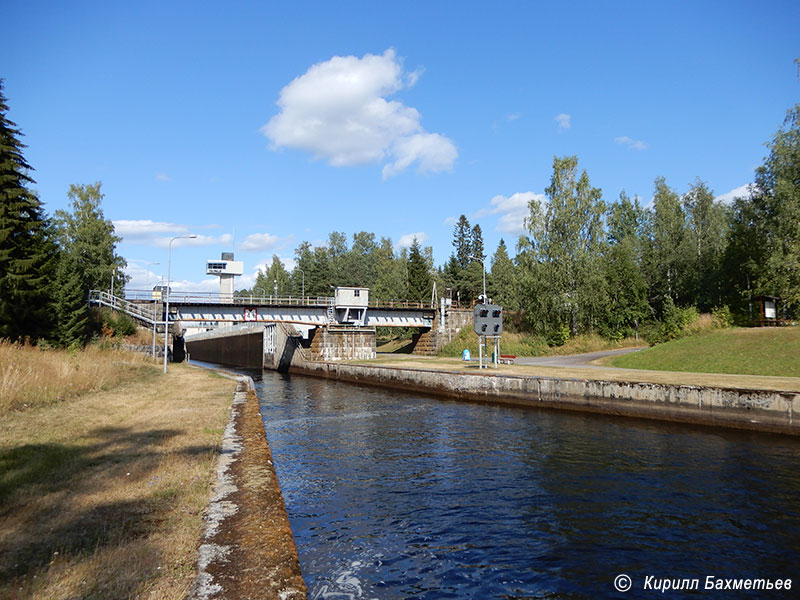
393,495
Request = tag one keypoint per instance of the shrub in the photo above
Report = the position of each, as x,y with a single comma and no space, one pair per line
558,336
722,317
673,324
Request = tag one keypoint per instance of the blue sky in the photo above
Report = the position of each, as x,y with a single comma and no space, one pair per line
258,125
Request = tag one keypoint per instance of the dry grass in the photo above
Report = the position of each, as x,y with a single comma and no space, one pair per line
101,495
31,376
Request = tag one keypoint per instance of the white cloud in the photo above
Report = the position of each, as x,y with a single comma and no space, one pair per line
450,221
630,143
564,121
432,152
339,111
512,211
515,116
260,241
163,177
406,240
158,233
141,277
743,191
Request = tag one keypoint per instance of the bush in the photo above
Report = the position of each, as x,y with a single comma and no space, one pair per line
559,336
722,317
673,324
108,323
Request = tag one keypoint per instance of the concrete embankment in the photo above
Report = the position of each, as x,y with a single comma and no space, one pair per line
762,410
248,549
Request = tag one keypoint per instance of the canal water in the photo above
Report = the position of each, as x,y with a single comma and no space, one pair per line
395,495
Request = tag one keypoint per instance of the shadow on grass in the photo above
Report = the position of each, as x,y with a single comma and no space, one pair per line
52,498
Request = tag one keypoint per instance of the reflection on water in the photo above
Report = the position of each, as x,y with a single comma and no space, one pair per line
392,495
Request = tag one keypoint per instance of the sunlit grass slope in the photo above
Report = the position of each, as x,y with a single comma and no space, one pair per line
744,351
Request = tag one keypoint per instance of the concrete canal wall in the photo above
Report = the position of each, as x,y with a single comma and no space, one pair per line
760,410
231,346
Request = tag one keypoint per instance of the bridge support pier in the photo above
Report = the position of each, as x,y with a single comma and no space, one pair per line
342,343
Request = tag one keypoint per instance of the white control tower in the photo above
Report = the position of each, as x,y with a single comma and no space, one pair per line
227,269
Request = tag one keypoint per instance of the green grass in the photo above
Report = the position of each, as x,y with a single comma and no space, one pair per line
521,344
742,351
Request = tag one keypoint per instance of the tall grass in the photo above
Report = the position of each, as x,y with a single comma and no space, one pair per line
32,376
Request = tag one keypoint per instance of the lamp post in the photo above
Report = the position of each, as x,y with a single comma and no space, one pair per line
485,299
147,268
276,290
169,277
303,292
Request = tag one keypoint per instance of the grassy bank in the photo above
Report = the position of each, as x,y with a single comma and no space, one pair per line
520,344
744,351
103,483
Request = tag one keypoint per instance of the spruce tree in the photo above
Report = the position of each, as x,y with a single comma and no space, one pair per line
419,279
26,249
476,244
502,283
462,241
72,311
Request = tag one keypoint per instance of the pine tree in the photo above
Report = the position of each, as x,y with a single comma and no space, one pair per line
26,249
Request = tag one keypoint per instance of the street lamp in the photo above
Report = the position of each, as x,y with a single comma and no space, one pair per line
485,299
303,273
276,290
147,268
169,277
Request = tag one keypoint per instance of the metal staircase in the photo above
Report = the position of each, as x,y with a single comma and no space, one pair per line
142,313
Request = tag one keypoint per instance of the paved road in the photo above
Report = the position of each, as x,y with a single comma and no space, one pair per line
572,360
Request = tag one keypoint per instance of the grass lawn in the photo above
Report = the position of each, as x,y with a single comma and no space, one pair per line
102,491
746,351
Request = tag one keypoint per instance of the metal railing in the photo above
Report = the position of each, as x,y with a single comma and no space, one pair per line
142,312
250,300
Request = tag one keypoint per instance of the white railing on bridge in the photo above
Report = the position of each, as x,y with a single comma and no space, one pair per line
249,300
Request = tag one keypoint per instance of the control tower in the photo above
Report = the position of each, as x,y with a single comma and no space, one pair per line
226,268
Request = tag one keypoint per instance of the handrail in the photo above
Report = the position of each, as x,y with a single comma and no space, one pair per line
103,298
216,298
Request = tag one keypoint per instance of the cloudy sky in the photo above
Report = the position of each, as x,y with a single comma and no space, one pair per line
258,125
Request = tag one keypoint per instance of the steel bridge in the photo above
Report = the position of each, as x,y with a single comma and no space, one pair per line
203,311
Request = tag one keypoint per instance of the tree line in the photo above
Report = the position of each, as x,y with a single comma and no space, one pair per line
584,264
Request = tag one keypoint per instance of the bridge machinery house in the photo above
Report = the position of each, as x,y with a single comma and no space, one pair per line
350,305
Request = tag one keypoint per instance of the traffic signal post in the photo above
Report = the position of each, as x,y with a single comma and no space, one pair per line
488,322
